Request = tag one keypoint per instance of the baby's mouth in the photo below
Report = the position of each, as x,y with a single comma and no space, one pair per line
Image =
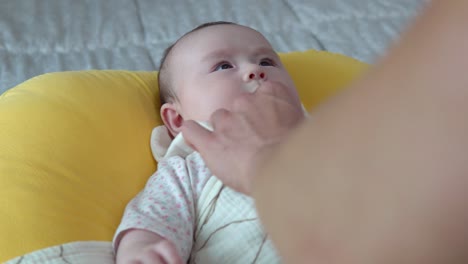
252,86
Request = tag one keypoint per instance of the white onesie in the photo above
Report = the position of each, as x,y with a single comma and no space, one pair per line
183,202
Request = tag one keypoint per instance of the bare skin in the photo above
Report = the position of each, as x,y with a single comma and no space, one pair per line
149,248
379,175
271,107
217,68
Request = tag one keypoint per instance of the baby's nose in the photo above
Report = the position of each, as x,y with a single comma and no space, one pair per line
254,75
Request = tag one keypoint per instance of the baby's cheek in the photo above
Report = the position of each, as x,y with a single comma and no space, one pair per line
194,109
220,101
201,105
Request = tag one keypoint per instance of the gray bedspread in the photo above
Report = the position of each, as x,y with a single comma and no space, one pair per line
39,36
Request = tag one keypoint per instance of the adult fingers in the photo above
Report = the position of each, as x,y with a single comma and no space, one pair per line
272,88
279,91
244,103
195,135
222,121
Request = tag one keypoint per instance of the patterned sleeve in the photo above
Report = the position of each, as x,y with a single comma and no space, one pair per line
166,205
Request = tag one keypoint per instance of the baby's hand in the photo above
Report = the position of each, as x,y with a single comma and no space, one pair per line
144,247
162,252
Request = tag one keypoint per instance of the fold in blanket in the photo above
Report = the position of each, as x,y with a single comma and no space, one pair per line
82,252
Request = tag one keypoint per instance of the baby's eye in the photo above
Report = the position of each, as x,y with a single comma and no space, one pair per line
267,62
223,66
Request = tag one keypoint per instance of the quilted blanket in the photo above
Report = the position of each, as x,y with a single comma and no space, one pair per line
58,35
83,252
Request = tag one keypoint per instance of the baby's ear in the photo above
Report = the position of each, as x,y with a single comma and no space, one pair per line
171,118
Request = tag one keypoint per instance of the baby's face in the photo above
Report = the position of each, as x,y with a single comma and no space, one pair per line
213,66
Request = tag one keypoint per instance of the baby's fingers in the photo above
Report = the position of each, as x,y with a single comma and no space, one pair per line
168,253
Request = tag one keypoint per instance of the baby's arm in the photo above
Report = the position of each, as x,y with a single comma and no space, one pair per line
142,246
163,213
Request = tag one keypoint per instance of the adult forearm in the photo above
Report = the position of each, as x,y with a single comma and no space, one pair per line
377,175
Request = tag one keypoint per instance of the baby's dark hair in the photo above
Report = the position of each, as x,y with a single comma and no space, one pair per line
166,92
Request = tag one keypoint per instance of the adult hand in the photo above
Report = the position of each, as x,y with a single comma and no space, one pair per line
243,135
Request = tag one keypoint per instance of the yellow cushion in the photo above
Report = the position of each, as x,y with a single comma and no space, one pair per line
75,147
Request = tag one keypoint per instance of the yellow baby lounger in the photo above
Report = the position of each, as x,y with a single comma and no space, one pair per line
74,149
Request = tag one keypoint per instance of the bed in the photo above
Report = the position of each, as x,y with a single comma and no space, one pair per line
61,35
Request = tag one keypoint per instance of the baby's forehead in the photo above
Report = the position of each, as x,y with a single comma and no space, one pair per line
223,32
194,47
207,39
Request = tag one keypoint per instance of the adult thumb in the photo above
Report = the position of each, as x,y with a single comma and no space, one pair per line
196,136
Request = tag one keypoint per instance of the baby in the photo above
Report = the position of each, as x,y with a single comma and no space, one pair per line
184,213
